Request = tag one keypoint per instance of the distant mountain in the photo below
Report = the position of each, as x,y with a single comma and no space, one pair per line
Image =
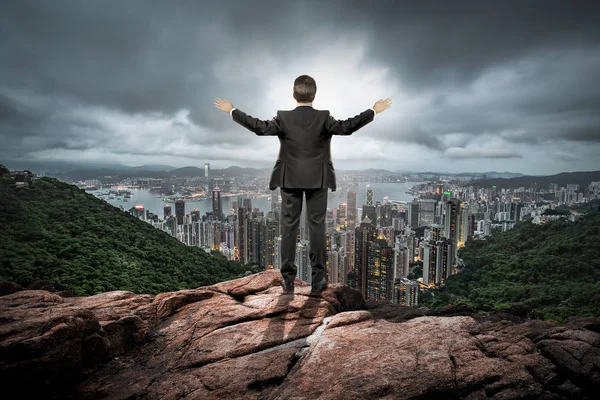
490,174
494,174
369,171
153,167
542,182
57,167
187,171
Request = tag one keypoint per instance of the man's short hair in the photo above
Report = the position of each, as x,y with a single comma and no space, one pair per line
305,89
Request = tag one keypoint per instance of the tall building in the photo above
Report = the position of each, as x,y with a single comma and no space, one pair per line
365,236
277,248
350,238
180,211
304,271
386,215
271,233
406,293
427,212
256,240
464,232
207,170
329,221
342,215
370,200
444,261
380,271
217,204
275,202
242,222
402,258
303,224
413,214
436,232
351,210
371,213
247,203
515,210
335,268
452,223
167,211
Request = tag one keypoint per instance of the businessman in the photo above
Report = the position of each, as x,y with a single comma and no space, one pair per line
303,167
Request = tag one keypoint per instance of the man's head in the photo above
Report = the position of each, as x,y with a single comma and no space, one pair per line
305,89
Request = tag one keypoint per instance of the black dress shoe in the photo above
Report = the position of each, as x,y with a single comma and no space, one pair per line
288,286
317,287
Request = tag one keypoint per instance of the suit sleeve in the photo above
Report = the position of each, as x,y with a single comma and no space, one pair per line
351,125
261,128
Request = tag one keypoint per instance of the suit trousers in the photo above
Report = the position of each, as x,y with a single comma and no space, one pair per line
291,209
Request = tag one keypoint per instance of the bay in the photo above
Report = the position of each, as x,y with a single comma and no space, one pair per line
154,202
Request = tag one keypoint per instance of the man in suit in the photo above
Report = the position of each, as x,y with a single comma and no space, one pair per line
303,167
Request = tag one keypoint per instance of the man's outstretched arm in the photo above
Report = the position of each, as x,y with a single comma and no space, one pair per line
351,125
259,127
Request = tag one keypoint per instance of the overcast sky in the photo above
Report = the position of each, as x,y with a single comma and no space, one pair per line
476,86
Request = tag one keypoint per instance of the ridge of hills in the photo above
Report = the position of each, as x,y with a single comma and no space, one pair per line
542,182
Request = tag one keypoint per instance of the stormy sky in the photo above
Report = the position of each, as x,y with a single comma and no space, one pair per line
476,85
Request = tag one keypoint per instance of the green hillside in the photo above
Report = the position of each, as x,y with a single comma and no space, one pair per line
553,268
55,232
582,178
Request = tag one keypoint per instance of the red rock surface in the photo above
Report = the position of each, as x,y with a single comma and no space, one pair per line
246,339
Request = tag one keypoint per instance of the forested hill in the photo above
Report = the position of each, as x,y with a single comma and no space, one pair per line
552,269
542,182
55,232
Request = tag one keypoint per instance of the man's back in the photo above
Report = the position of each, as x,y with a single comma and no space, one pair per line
304,159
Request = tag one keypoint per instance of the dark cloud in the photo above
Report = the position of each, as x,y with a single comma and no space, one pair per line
461,152
517,73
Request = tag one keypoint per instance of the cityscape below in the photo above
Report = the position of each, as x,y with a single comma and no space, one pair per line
389,245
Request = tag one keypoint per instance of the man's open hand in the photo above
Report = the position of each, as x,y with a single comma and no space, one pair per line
382,105
224,105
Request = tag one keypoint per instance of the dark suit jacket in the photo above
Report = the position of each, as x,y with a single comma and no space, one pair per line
304,133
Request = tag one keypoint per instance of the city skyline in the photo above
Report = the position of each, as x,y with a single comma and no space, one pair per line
476,86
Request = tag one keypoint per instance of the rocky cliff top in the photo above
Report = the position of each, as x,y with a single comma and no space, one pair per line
246,339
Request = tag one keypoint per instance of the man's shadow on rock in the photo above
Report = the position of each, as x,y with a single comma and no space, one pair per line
293,318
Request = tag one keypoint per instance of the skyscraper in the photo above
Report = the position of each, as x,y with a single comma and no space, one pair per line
271,229
406,293
351,210
371,213
464,231
303,224
180,211
243,215
429,263
350,244
380,271
370,201
304,270
342,215
335,267
452,223
275,203
207,170
427,212
365,236
413,214
167,211
217,204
